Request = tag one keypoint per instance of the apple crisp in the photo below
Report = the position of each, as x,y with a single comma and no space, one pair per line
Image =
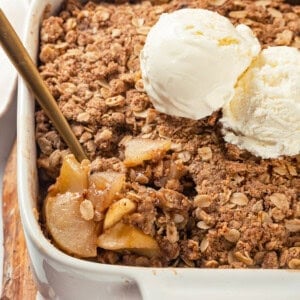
158,190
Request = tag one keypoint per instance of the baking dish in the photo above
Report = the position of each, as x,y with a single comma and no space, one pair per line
60,276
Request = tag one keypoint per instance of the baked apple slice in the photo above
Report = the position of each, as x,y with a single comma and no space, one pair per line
69,230
139,150
104,187
73,176
117,211
125,237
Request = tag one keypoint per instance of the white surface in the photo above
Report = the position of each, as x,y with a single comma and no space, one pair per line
15,10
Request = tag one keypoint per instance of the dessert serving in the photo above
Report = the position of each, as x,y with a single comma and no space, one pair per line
187,166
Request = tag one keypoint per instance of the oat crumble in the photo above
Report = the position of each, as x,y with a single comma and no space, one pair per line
207,203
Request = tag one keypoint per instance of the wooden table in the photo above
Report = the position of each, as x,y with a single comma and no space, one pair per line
17,278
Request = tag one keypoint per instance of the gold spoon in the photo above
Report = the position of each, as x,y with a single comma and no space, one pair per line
27,69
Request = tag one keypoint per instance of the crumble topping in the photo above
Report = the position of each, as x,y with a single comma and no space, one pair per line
206,202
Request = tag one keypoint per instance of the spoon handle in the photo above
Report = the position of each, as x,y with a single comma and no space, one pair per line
27,69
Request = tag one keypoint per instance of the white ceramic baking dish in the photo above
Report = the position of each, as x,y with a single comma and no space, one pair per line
60,276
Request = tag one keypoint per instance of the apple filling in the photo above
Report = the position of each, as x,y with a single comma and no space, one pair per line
85,210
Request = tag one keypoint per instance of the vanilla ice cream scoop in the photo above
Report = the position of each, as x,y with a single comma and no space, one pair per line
192,59
264,115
